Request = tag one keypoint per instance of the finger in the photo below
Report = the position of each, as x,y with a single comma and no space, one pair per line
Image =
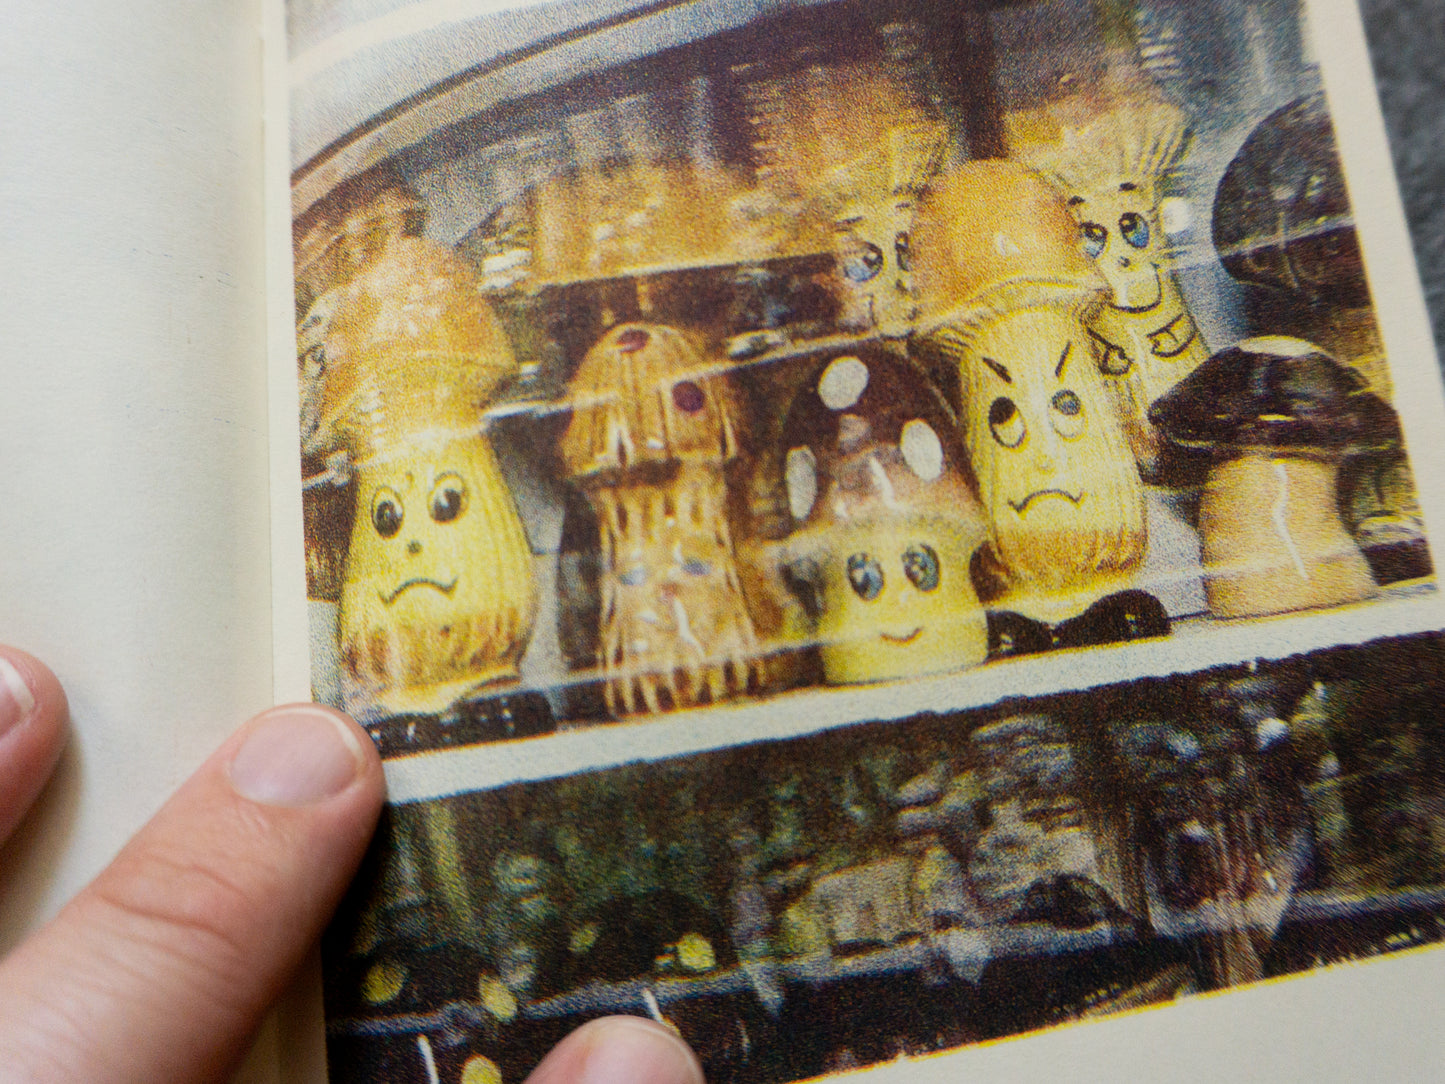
619,1050
33,719
162,967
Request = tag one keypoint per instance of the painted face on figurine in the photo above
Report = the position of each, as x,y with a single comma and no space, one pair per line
1145,339
896,600
1053,468
890,524
438,587
1123,238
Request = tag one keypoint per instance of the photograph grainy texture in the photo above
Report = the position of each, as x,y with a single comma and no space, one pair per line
802,907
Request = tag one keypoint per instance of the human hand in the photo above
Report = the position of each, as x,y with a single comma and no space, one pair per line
162,968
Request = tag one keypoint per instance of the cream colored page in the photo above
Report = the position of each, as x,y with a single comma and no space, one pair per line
134,487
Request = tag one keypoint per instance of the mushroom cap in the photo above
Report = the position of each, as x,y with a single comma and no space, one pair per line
992,235
1274,392
1136,141
411,347
870,436
645,394
1282,215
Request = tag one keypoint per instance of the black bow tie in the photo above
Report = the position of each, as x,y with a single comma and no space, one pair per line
1126,615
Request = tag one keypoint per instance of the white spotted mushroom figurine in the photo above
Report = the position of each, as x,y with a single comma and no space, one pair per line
651,434
887,523
1008,297
438,595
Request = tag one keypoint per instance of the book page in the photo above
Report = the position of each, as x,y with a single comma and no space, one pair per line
861,548
135,489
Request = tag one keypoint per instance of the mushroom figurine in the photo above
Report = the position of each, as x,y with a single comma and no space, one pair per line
1279,416
871,201
651,435
887,522
1008,299
1145,336
438,595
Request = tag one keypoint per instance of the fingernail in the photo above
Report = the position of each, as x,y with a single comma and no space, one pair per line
16,699
296,755
629,1049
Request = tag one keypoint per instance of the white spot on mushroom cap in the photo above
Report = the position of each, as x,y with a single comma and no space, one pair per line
1284,346
801,472
842,383
922,450
1005,245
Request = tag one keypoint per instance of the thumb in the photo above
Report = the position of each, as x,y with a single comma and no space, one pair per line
163,966
619,1050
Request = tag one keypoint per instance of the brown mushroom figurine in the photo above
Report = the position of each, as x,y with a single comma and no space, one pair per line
887,522
1279,417
651,434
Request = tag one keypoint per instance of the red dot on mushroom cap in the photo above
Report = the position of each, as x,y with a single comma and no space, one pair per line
632,340
688,397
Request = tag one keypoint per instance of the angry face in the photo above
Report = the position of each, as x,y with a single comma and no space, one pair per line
1053,467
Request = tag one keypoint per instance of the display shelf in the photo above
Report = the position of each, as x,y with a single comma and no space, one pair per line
1197,643
962,952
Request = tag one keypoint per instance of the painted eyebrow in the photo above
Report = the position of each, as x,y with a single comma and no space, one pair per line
999,370
1074,201
1063,360
1128,186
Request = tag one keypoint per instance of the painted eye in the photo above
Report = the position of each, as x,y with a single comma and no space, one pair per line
386,512
863,262
448,498
903,251
1134,229
1006,422
1068,413
920,565
865,576
1095,238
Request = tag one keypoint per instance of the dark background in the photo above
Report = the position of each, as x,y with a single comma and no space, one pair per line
1407,44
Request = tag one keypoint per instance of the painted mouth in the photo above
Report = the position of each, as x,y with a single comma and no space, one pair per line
419,581
1019,506
908,639
1158,295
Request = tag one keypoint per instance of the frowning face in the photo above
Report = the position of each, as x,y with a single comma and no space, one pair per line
1053,467
439,578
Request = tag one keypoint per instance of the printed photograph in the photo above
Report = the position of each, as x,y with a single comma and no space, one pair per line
803,907
684,354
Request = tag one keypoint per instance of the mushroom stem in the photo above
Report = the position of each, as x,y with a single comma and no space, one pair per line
1272,539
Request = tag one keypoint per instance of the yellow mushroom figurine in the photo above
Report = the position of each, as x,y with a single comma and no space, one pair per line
1110,171
1008,298
438,595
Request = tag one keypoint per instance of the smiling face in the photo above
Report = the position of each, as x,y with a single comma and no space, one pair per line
1052,464
897,600
438,592
1146,339
1122,236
